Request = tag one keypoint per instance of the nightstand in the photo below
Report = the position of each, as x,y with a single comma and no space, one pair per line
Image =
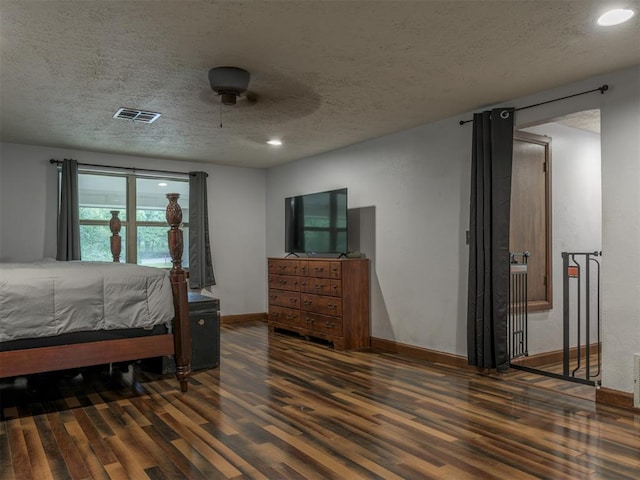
204,319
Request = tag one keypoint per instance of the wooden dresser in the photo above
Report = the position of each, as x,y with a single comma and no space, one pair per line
322,298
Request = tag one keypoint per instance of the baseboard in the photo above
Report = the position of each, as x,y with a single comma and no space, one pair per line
616,398
420,353
554,356
243,317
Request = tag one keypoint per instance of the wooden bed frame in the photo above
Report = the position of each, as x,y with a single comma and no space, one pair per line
45,359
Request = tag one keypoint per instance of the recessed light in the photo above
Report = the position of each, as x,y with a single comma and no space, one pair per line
162,184
275,142
615,17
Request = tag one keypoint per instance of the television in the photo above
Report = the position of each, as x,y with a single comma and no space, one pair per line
316,223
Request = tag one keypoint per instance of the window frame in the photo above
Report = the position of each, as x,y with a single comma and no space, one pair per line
131,224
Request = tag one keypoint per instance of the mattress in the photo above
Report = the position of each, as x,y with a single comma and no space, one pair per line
48,298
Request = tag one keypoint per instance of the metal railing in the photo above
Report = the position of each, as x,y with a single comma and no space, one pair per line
517,313
577,273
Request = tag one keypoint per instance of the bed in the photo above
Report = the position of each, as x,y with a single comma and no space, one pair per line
65,315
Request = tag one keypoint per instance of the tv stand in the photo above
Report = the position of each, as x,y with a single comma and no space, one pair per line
321,298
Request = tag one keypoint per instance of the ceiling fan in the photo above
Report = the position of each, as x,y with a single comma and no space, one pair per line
281,98
231,84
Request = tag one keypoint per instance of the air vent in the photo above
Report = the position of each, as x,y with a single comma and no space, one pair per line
137,115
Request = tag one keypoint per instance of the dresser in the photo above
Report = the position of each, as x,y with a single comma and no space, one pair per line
321,298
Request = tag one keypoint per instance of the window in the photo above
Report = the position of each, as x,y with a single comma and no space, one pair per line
144,233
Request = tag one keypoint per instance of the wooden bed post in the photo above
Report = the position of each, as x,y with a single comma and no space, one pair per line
181,326
116,240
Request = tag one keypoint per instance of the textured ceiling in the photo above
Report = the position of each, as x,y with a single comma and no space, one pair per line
327,73
588,120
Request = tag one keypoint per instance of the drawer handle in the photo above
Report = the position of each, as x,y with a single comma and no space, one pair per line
282,282
330,324
331,306
273,297
319,285
307,302
275,314
319,269
293,300
310,320
201,322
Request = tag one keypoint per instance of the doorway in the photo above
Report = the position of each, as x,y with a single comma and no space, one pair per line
571,211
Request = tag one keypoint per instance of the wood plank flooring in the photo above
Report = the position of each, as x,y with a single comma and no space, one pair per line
283,408
575,389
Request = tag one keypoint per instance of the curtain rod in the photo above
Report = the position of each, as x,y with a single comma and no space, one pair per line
131,169
601,89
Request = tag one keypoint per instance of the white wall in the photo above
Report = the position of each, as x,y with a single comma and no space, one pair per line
621,231
28,206
418,182
420,210
576,222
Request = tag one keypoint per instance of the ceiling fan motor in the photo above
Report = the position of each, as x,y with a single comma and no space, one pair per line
229,83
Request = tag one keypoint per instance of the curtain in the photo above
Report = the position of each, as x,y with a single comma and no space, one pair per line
69,213
200,264
489,239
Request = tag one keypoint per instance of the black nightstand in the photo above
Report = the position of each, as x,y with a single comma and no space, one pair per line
204,319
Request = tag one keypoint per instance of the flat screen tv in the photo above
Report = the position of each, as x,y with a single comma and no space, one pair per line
316,223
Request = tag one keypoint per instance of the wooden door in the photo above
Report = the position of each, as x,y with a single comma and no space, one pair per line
530,228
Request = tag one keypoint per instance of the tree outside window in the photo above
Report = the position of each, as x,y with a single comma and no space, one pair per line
144,235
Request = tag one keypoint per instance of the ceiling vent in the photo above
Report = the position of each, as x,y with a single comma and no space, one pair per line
137,115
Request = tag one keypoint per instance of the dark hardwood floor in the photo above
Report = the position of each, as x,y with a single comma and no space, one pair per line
586,392
281,407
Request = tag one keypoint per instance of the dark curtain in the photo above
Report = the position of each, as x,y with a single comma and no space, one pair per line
69,213
200,264
489,239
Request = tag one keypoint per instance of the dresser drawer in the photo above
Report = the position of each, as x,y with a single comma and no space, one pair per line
283,267
284,282
336,288
321,286
336,270
284,315
319,304
284,298
323,323
319,269
303,268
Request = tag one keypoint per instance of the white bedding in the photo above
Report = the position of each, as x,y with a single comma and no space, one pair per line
47,297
